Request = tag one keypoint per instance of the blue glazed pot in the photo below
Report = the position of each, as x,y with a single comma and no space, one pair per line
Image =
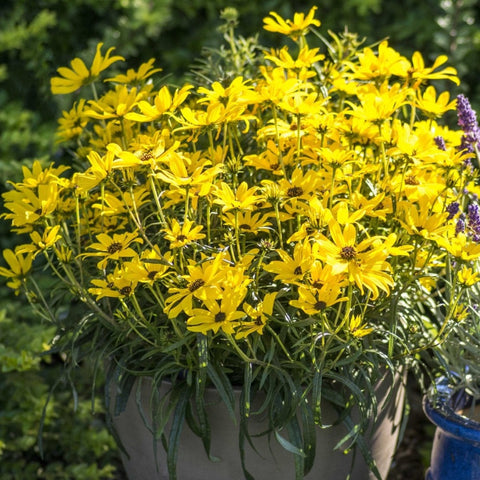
456,444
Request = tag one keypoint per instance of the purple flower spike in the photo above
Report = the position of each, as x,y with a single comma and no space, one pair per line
440,142
460,227
452,209
473,218
467,119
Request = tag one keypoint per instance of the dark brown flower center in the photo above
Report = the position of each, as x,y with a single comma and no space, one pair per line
126,291
220,317
298,271
196,284
181,238
114,247
348,253
320,305
147,155
294,192
411,180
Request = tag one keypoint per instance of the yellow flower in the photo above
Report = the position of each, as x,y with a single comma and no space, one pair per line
19,265
378,66
416,73
420,220
182,235
292,270
378,105
202,282
136,77
41,242
72,123
115,103
79,75
113,247
243,198
363,262
433,106
100,169
162,104
259,315
303,103
468,277
116,285
356,328
460,246
248,222
301,65
295,28
28,207
189,172
460,313
313,301
149,267
217,315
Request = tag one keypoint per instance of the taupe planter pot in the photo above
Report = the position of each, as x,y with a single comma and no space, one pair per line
272,461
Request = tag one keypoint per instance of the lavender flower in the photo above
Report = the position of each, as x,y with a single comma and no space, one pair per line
440,142
467,120
473,218
452,209
460,227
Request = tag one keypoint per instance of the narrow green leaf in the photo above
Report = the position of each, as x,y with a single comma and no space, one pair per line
176,430
309,436
295,434
224,388
200,385
290,447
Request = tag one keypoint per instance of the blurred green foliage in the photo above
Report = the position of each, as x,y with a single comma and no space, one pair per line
75,445
36,37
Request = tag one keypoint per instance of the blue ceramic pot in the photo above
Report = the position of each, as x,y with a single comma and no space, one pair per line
456,444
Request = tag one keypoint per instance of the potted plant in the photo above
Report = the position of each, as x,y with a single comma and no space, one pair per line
453,401
267,233
452,404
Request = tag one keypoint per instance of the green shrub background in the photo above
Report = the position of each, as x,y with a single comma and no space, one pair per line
38,36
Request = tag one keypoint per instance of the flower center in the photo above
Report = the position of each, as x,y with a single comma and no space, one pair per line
151,275
320,305
196,284
126,291
348,253
114,247
220,317
298,271
181,238
411,180
295,192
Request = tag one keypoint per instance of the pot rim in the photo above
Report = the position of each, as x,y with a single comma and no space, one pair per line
441,407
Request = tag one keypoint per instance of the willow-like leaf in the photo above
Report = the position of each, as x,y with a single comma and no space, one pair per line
224,388
200,386
309,436
176,429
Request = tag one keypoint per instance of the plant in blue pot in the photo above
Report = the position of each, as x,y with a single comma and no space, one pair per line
453,403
